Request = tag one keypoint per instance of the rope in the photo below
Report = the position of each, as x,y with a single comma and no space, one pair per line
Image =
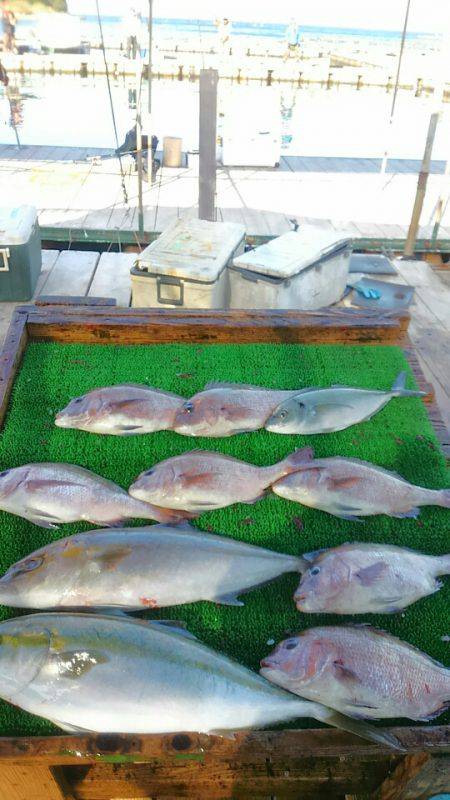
102,40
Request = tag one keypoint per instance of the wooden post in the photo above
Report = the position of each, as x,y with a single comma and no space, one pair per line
421,186
207,144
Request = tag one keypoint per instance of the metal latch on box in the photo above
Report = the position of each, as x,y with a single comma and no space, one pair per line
4,257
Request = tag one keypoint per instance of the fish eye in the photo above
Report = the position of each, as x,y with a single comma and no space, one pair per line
283,414
77,400
149,472
291,644
314,570
29,565
188,407
5,472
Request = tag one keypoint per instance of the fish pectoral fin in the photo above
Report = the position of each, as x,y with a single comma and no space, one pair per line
344,673
228,600
196,479
369,575
313,555
343,483
413,513
346,513
40,518
129,428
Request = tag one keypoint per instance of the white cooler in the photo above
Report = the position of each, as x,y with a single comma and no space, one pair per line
307,270
186,266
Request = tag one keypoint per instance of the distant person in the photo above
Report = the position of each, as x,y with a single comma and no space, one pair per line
9,29
3,75
224,31
292,38
134,31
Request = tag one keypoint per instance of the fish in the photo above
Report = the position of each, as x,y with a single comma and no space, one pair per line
365,578
202,480
104,674
50,494
360,671
333,409
123,410
226,409
350,489
140,568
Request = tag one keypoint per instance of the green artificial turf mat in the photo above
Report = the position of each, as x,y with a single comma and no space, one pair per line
399,438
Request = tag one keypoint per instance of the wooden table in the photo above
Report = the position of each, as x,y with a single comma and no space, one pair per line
307,764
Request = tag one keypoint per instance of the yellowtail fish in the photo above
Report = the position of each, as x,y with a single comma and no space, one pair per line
136,568
333,409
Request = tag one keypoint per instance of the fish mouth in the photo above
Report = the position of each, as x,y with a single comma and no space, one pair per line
62,421
267,663
299,599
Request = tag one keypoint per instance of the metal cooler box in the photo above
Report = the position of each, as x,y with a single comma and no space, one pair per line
186,265
307,270
20,252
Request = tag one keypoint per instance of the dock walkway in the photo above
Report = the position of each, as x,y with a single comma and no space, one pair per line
76,189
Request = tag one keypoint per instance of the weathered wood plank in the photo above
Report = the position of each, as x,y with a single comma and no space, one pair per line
112,277
20,782
11,356
72,272
49,259
62,300
140,326
416,777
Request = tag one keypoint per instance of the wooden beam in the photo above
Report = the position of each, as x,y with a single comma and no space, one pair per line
207,144
416,777
12,352
421,186
20,782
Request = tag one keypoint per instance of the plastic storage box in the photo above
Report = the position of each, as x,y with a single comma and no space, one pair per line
307,270
20,252
186,266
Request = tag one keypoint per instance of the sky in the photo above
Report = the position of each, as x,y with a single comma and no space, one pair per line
425,15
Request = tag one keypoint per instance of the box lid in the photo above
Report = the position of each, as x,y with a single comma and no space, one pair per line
193,249
16,224
289,254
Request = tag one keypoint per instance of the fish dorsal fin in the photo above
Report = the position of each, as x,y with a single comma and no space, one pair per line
175,626
249,386
150,389
314,554
212,454
412,649
361,463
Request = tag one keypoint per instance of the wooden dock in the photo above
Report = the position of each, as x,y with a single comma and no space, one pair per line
75,189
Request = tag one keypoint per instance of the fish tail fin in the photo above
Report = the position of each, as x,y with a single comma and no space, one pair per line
296,460
399,388
442,564
356,726
442,498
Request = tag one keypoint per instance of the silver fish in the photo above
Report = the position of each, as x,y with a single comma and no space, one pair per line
106,674
202,480
363,578
121,410
50,494
349,488
360,671
333,409
137,568
224,409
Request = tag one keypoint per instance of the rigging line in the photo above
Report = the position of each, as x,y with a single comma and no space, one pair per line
102,41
